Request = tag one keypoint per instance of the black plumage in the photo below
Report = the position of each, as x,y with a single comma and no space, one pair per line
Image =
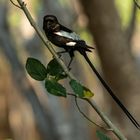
65,38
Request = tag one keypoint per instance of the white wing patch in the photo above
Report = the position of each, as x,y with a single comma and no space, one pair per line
71,43
58,33
72,35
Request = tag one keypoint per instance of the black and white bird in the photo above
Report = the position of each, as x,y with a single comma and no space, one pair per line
65,38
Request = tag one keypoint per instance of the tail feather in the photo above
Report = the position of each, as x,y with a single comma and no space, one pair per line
90,47
87,48
116,99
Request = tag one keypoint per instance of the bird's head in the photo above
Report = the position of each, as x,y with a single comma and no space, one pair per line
50,23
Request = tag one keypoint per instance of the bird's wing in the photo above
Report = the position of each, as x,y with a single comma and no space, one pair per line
69,35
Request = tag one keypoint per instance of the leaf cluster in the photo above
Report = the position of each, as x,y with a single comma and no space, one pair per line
52,74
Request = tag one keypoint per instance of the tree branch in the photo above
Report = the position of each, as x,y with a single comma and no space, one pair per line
15,4
85,116
106,120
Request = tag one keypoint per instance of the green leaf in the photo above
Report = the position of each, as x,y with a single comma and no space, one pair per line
54,68
77,88
55,88
87,93
102,136
80,90
36,69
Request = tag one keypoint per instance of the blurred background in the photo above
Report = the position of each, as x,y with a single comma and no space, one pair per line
27,111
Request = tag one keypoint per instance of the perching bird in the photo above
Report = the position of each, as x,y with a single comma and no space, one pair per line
65,38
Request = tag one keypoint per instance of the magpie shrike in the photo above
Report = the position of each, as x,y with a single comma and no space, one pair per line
65,38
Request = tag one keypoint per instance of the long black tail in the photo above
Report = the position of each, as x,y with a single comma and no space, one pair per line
137,125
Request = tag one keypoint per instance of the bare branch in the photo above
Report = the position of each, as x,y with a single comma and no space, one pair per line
78,107
85,116
15,4
115,130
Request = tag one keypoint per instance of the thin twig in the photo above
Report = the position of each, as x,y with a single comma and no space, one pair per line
79,109
15,4
112,127
106,120
137,4
46,42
